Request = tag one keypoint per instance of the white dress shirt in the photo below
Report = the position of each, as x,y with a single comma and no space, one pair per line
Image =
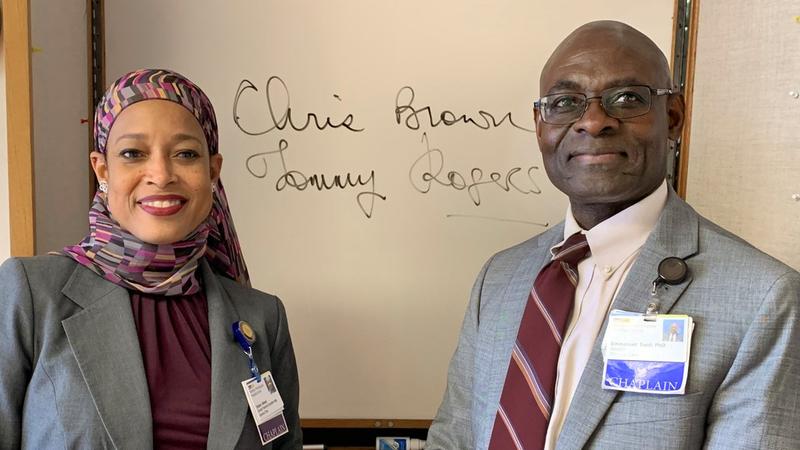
614,243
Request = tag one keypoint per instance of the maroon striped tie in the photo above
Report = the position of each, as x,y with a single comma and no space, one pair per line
527,398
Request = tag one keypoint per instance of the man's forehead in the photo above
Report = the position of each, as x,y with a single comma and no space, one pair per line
578,82
606,35
608,50
598,69
599,66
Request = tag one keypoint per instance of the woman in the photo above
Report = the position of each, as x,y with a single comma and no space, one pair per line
125,340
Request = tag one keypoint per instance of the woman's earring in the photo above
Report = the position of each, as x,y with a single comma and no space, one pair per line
103,187
213,188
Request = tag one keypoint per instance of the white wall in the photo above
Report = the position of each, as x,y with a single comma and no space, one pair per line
60,140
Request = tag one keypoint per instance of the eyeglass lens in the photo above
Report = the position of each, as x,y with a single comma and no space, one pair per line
619,103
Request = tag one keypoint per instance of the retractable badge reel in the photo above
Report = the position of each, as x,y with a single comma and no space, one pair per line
672,271
246,337
263,398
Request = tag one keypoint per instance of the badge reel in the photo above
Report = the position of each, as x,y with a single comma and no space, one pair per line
671,271
266,404
649,353
246,337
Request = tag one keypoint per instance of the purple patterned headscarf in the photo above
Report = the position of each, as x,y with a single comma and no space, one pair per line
122,258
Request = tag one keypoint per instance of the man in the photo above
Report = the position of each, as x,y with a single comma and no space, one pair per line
673,334
603,126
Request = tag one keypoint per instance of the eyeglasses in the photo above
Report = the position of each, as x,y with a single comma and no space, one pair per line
619,103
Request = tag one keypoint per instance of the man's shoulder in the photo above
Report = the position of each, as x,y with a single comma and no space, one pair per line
516,262
732,254
542,242
723,251
728,265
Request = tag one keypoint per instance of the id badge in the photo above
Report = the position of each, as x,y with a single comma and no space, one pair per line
266,406
647,354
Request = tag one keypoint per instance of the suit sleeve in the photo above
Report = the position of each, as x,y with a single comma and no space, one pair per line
284,370
452,427
16,350
758,403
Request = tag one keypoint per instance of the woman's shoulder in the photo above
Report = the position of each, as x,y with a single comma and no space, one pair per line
46,268
35,282
239,290
251,299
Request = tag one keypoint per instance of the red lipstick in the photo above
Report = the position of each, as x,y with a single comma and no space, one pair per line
162,205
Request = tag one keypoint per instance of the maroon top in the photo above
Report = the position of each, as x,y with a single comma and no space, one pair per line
176,349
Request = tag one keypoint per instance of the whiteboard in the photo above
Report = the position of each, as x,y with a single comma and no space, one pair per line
376,153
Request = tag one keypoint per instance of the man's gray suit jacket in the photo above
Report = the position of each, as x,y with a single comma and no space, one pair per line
743,386
71,372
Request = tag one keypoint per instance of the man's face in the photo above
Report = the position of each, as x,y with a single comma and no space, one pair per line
600,160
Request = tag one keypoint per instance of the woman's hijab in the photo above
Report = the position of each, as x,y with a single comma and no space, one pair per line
163,269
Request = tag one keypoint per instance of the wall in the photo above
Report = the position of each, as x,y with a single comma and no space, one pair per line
5,244
61,155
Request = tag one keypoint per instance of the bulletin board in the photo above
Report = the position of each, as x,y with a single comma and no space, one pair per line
744,159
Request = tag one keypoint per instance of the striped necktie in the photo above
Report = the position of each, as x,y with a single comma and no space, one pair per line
529,389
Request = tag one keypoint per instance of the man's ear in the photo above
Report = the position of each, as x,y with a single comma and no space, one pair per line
676,112
99,166
537,119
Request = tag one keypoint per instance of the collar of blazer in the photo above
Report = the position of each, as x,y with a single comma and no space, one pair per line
104,341
676,234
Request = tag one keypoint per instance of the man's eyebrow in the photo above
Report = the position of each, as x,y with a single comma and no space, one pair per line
627,81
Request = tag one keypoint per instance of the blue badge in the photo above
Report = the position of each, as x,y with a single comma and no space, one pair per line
646,353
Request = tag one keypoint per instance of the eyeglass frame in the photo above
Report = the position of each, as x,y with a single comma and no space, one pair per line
657,92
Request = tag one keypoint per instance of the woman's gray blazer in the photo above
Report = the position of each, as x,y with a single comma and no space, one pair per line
71,372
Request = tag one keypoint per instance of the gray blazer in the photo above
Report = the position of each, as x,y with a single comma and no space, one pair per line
71,372
743,388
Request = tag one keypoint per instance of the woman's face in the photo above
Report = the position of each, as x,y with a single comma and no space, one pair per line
158,170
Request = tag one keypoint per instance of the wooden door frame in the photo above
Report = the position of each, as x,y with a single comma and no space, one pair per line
688,52
17,53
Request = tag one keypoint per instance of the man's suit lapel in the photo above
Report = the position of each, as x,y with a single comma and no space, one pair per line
521,283
228,367
676,234
104,341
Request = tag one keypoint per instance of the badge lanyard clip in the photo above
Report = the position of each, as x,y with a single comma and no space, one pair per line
246,337
672,271
652,307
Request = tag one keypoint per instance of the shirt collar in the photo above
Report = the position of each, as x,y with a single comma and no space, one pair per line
615,239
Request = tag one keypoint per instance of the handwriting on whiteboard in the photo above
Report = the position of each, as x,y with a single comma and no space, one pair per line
425,172
405,113
429,169
282,118
258,165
